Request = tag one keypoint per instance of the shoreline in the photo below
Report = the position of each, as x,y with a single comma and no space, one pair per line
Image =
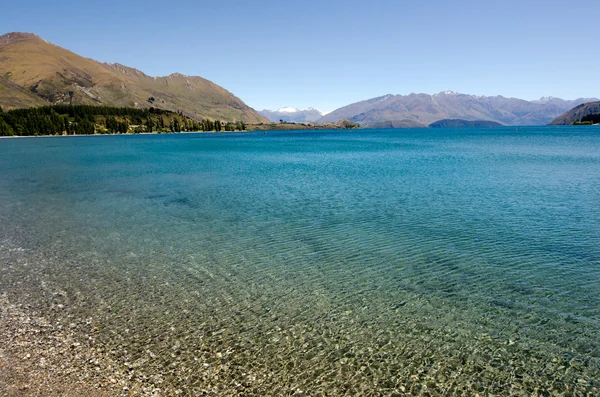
270,130
38,358
140,133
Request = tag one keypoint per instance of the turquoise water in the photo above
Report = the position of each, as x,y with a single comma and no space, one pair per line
442,262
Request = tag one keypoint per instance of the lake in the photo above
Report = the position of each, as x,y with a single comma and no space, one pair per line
370,262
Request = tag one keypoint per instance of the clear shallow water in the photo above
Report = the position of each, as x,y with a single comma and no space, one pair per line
370,262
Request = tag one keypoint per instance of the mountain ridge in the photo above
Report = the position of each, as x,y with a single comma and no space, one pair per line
57,76
292,115
426,109
577,113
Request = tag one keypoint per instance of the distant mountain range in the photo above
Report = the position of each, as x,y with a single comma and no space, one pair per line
34,72
425,109
292,115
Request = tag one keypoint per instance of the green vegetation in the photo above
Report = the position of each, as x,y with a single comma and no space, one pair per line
288,126
88,120
590,119
584,114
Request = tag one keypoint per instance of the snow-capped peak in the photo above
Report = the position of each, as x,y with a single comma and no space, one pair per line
294,110
322,113
448,92
288,110
545,99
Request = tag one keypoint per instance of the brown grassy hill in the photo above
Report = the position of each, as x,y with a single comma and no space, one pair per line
54,74
13,96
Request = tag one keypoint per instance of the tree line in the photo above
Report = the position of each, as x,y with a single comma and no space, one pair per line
87,120
591,118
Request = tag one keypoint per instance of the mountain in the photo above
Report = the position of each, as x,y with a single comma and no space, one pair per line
457,123
426,109
578,113
15,96
36,72
397,124
562,103
292,115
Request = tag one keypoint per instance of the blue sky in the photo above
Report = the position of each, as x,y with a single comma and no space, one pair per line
327,54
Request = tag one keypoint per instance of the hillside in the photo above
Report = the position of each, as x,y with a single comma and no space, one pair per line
426,109
457,123
35,70
396,124
13,96
578,113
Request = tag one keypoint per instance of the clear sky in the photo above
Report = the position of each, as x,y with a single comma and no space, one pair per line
329,53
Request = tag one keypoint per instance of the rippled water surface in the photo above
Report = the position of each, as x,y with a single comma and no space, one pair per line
364,263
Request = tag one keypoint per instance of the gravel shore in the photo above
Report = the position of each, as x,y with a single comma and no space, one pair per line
38,358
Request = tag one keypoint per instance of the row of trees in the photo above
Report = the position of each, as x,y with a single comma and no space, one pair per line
85,110
84,120
36,121
115,126
591,118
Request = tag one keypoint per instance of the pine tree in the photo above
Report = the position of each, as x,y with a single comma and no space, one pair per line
56,119
149,125
5,129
